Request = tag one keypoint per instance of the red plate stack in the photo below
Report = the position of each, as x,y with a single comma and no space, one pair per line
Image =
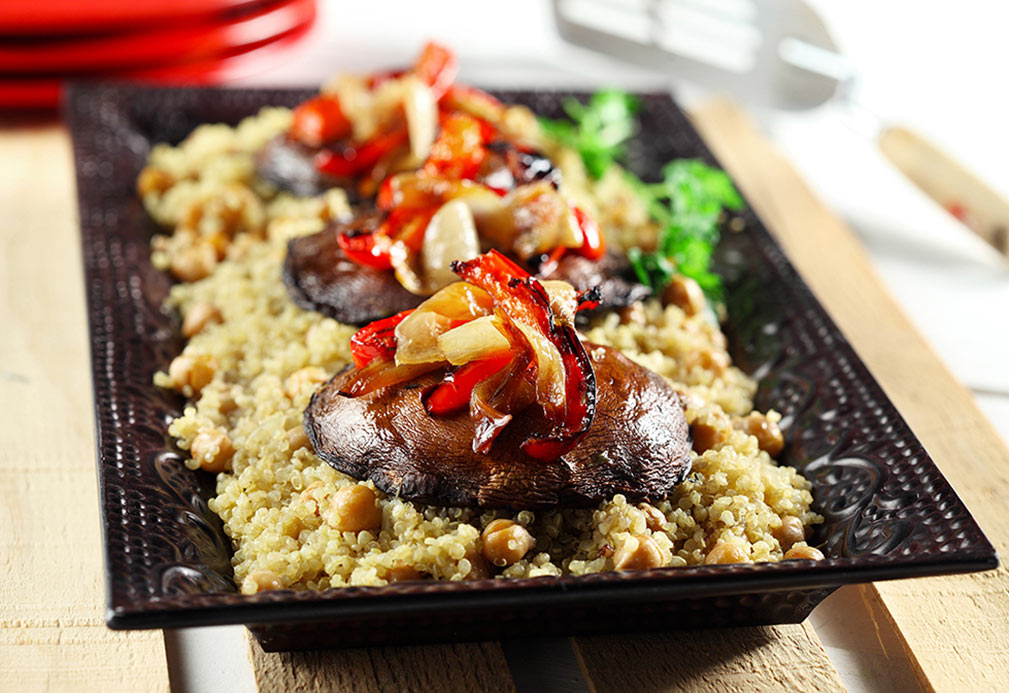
44,43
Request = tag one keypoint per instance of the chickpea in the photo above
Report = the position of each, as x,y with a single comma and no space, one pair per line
228,404
790,532
637,553
260,581
297,382
478,566
354,509
404,573
768,434
709,360
706,436
199,316
725,552
297,438
804,553
220,242
212,449
633,314
194,262
194,371
654,519
308,494
686,294
506,542
153,180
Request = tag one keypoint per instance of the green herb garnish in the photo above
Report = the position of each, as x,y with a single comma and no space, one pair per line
687,204
597,130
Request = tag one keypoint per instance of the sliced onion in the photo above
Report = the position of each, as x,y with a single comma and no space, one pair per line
541,220
551,389
404,263
459,301
474,340
421,116
379,374
417,337
563,300
357,103
450,235
495,400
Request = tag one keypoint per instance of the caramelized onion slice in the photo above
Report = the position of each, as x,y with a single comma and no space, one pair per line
496,400
451,235
417,337
379,374
478,339
421,117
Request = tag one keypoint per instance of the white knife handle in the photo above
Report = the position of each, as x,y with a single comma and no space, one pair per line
947,182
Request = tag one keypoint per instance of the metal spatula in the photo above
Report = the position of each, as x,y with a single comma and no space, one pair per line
777,54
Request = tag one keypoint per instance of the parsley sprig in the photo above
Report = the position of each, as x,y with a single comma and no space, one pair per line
687,203
597,130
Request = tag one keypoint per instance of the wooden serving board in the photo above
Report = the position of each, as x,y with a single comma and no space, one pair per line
52,635
52,592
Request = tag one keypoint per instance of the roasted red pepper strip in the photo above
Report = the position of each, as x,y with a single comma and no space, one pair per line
376,341
589,299
367,249
452,395
523,299
353,161
437,67
318,121
458,151
593,246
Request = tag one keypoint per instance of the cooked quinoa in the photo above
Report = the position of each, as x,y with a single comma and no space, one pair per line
254,360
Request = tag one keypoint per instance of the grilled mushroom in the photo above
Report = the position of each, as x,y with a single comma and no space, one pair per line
612,274
290,165
320,277
637,445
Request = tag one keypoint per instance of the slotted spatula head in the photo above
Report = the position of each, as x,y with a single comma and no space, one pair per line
774,53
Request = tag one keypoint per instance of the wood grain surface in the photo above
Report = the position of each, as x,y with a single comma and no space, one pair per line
455,667
729,659
956,629
52,593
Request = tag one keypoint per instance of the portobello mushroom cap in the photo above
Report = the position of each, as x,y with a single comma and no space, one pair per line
638,444
290,165
612,274
320,277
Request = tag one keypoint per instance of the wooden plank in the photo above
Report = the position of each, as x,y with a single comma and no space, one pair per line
729,659
423,668
955,628
52,634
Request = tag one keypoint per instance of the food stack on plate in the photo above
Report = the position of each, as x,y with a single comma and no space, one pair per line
45,43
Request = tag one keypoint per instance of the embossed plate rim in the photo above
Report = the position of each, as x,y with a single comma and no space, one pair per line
128,608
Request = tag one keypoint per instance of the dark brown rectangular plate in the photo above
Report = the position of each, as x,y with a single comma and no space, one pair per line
889,511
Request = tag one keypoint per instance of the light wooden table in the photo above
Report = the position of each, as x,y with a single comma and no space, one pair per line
953,631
